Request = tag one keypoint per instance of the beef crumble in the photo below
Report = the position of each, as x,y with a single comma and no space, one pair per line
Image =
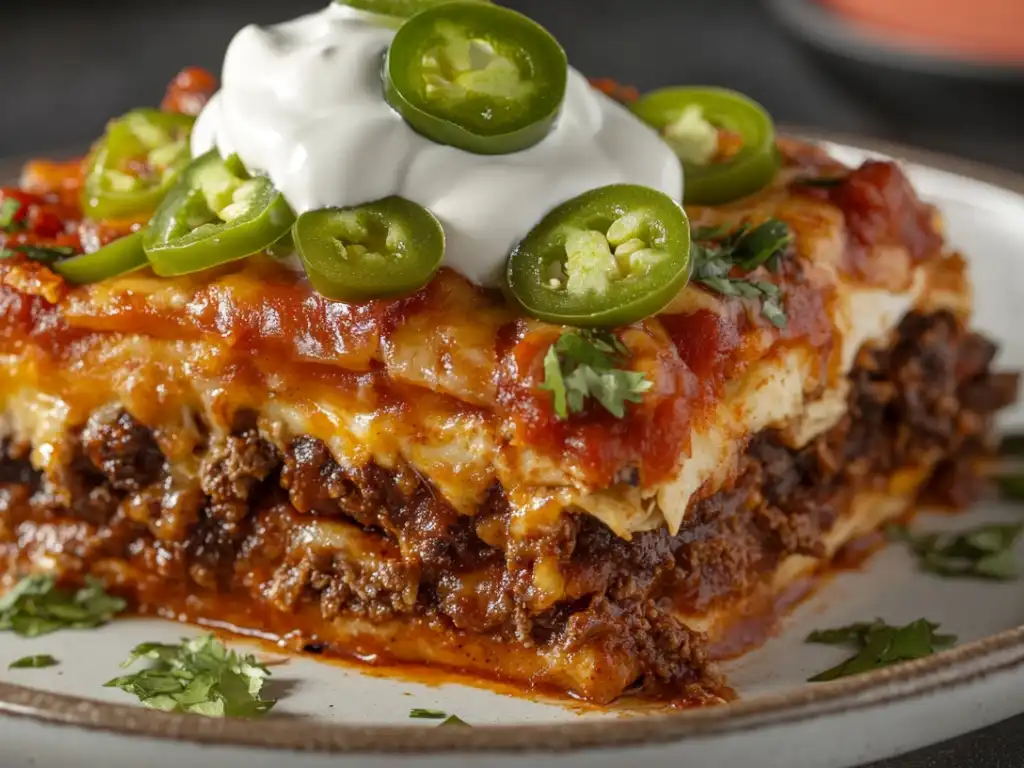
121,449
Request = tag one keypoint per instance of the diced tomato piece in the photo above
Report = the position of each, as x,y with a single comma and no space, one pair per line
626,94
189,91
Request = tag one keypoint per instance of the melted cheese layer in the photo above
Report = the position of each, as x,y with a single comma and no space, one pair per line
461,451
774,395
444,383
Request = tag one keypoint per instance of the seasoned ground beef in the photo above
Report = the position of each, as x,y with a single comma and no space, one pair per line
121,449
232,469
317,484
397,505
230,474
929,397
211,550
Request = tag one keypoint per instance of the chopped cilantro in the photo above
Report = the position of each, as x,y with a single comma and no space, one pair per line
985,552
34,662
9,208
437,714
880,645
427,714
584,364
764,244
35,606
716,253
200,676
38,253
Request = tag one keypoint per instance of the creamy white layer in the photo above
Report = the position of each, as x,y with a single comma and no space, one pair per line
303,102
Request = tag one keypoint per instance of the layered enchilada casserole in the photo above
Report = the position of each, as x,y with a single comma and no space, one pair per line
406,343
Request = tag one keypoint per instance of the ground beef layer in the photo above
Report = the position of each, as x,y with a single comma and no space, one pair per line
290,533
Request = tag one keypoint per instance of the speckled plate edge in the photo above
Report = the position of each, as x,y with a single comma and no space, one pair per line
963,665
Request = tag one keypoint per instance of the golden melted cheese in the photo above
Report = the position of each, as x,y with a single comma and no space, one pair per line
423,383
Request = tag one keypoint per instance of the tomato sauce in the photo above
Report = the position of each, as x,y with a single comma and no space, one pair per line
259,308
881,209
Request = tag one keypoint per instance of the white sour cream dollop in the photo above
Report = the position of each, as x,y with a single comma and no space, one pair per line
302,102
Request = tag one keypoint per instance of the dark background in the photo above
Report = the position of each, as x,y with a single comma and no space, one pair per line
68,66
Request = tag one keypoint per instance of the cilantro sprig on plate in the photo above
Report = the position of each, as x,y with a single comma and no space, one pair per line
39,661
436,714
880,645
584,365
715,253
37,606
984,552
200,676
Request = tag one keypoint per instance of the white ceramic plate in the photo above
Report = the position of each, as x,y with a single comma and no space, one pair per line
340,716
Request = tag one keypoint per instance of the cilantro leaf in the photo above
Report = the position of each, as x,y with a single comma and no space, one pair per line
985,552
771,304
9,208
715,255
35,606
761,245
200,676
880,645
584,364
427,714
34,662
437,714
38,253
554,383
850,634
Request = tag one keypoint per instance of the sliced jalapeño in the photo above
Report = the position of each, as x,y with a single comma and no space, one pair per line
135,164
216,213
476,76
119,257
607,258
391,247
694,120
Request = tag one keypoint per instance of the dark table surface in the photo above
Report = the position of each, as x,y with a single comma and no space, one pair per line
68,66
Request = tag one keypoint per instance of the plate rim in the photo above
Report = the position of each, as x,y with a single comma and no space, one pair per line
960,666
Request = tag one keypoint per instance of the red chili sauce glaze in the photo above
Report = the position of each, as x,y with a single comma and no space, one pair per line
642,448
264,309
698,352
881,209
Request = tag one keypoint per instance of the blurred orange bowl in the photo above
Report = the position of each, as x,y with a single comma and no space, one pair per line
987,30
